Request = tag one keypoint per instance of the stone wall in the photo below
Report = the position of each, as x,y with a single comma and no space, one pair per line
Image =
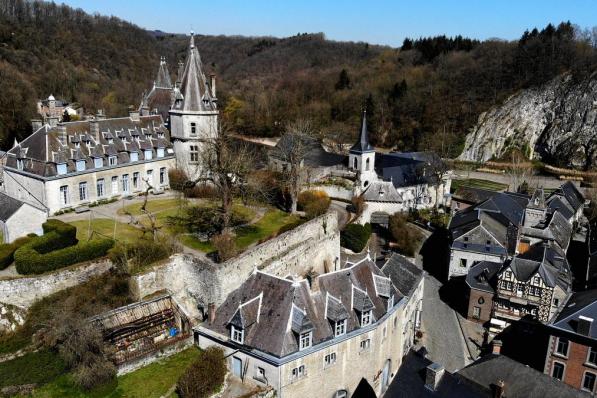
24,291
196,282
333,191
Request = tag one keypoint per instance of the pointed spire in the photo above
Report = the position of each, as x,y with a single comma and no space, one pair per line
163,78
362,145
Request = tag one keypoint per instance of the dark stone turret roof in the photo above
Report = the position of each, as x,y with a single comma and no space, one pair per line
362,145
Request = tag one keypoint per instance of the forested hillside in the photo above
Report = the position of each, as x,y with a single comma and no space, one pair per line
427,94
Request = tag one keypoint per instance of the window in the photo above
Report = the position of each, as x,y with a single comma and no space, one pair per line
162,175
298,372
136,180
125,183
592,357
354,163
466,238
340,328
193,128
305,340
194,153
80,165
134,156
20,164
161,134
160,152
148,155
64,195
508,274
82,191
60,168
329,359
477,312
260,373
365,344
112,160
463,262
149,176
237,335
488,242
588,382
100,187
558,371
367,164
562,346
366,318
341,394
395,322
114,185
556,302
537,280
98,162
390,302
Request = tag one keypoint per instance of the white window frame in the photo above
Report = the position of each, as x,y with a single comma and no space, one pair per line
149,176
553,366
114,186
98,162
136,180
80,165
126,188
83,193
556,350
194,154
20,164
330,359
61,169
305,340
366,318
340,328
582,386
594,350
160,152
100,187
134,156
365,345
162,175
64,195
148,153
298,372
237,335
112,160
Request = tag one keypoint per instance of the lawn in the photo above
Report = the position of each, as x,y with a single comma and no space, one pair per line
105,227
36,367
152,381
478,183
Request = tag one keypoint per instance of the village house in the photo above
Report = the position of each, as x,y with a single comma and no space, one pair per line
67,165
55,109
572,350
327,336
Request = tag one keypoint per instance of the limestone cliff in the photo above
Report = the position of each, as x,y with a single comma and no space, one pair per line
556,122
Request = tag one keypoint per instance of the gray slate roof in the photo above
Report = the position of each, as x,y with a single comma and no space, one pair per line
472,195
362,145
405,275
579,304
382,191
482,276
548,261
8,206
555,228
315,154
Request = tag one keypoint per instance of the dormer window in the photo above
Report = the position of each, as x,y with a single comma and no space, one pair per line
61,168
80,165
148,155
390,302
112,160
366,318
77,144
340,328
110,140
237,335
134,156
98,162
20,164
306,340
161,134
160,152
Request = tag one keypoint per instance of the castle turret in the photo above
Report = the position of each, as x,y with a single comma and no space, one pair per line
361,157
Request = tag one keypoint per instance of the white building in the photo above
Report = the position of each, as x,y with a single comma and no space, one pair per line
77,163
194,114
18,219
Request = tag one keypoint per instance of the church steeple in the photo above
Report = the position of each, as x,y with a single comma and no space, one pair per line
163,78
362,145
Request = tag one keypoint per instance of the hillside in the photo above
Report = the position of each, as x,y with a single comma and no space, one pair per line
426,95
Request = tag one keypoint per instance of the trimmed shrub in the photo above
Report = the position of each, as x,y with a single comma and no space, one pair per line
205,376
355,237
29,260
313,203
8,250
57,235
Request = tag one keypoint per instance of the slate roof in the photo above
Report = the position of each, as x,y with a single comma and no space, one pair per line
544,259
555,227
520,381
195,94
329,298
8,206
570,194
405,275
483,275
472,195
382,191
405,168
362,145
49,146
579,304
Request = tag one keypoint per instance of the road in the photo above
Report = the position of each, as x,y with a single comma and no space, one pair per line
540,181
442,336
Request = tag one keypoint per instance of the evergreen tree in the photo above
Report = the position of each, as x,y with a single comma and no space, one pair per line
343,80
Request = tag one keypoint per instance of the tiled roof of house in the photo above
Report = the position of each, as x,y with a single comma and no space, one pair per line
580,304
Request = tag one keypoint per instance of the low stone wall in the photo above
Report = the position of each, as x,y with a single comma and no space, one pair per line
24,291
334,191
194,283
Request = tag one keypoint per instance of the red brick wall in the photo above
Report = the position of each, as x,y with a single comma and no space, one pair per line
575,362
473,301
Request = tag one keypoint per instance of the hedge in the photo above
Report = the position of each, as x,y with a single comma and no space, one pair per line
57,235
8,250
355,237
29,260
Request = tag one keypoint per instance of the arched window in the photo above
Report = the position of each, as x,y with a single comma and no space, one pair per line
367,164
354,163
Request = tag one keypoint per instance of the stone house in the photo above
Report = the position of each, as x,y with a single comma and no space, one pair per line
572,349
319,337
18,218
54,109
72,164
481,281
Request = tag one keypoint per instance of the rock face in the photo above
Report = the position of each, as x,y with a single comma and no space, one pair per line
556,123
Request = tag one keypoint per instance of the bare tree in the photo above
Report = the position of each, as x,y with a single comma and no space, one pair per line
438,170
519,170
291,151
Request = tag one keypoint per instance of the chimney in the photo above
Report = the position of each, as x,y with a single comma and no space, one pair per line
36,124
212,85
94,129
53,121
134,115
100,115
498,389
144,110
211,312
584,325
433,375
496,347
